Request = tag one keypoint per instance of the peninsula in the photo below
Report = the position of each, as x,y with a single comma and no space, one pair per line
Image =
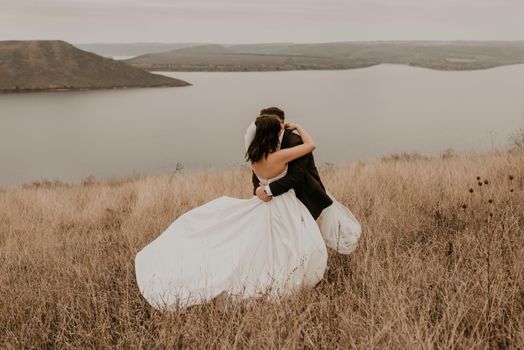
440,55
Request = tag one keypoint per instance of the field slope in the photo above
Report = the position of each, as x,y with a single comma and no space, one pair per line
436,266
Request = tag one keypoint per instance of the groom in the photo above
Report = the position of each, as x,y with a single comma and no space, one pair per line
302,174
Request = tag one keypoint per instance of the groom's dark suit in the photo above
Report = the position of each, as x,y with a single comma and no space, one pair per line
302,175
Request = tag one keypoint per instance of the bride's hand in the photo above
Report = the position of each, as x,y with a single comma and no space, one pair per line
291,126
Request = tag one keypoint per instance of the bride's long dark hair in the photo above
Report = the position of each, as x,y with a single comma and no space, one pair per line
266,138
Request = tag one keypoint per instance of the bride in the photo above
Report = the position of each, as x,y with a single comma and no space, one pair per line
241,247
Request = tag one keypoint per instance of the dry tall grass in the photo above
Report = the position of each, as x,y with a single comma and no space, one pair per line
428,273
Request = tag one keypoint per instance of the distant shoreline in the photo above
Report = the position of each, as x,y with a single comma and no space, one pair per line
161,69
74,89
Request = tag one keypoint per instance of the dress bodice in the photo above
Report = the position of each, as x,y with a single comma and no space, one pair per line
268,181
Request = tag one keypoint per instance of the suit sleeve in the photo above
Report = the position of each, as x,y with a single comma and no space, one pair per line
295,172
293,178
254,178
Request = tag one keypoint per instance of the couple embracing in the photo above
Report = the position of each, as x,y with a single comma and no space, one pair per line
266,246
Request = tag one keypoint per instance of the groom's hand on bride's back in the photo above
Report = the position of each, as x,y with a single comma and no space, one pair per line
261,193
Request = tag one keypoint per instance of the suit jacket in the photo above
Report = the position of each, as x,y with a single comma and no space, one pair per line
302,175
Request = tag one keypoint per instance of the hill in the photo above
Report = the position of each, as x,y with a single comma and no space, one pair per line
453,55
131,49
57,65
427,272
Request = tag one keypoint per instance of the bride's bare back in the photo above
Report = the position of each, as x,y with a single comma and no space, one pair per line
268,168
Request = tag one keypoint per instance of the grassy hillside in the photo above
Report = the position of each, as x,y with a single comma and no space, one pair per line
459,55
57,65
428,272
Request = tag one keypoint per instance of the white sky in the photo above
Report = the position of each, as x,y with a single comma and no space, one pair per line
250,21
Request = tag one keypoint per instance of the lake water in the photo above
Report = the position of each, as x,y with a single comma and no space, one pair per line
352,114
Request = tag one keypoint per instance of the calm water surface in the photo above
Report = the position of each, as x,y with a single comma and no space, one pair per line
352,114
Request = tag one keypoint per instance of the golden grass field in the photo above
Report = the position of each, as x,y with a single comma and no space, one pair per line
427,273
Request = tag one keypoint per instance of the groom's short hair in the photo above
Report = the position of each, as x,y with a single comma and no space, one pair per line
274,110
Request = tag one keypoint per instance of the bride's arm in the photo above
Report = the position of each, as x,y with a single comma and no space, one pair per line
289,154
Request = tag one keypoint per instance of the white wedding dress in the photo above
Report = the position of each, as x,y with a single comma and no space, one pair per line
242,247
339,227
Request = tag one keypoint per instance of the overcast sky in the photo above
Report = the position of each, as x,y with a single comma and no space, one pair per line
247,21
